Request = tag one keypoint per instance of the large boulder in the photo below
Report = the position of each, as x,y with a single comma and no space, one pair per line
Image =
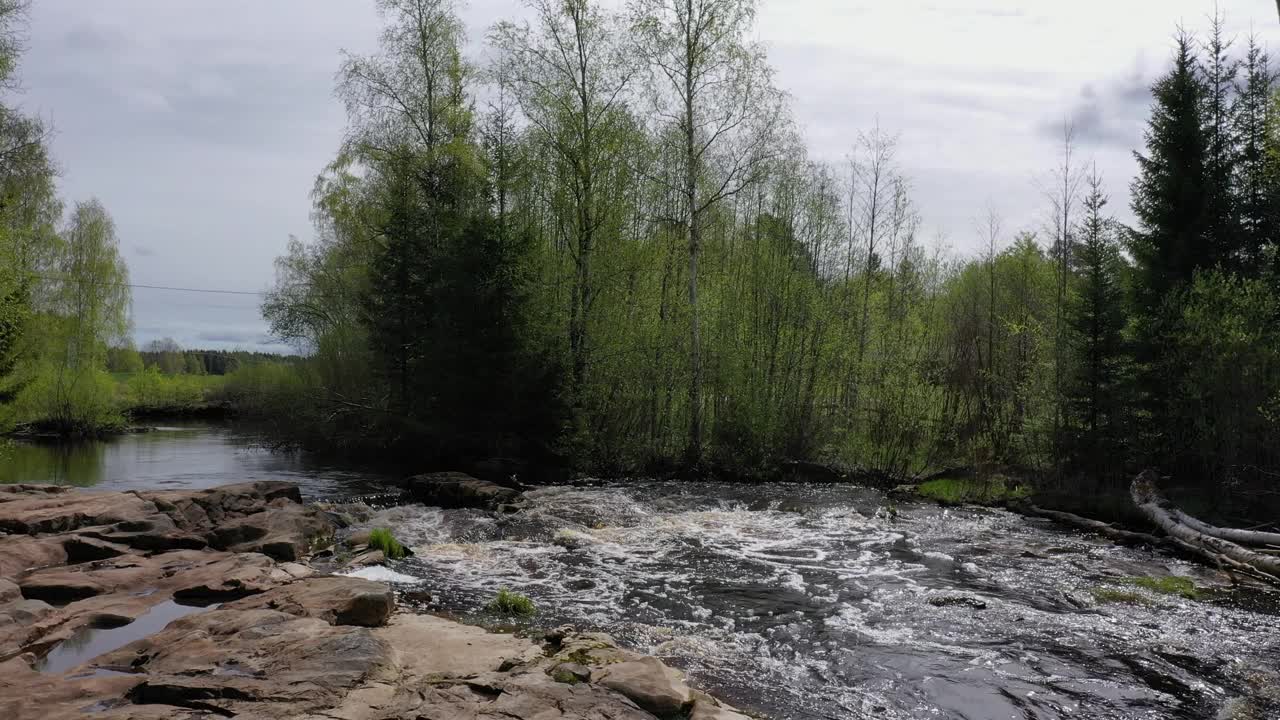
650,684
458,490
336,600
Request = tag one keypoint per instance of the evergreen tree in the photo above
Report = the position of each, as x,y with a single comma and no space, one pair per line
1170,200
1169,192
1257,177
1220,73
1096,316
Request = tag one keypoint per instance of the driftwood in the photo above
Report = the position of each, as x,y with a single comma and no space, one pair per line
1216,549
1120,535
1240,537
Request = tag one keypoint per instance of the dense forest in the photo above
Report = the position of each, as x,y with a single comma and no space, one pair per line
604,247
607,244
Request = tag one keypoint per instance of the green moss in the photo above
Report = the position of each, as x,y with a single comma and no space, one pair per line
1171,585
382,539
511,603
1112,595
996,490
566,677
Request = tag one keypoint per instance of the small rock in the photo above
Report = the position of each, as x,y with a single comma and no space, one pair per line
958,601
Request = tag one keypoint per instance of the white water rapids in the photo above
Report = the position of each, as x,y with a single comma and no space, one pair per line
813,602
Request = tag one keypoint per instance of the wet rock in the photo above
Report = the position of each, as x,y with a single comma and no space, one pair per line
336,600
283,665
958,601
706,707
650,684
457,490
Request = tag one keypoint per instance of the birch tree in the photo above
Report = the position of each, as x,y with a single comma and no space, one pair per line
714,99
571,77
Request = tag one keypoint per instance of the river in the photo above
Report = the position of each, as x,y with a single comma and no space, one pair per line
798,602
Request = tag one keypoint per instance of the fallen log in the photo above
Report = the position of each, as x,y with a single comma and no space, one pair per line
1240,537
1120,535
1215,549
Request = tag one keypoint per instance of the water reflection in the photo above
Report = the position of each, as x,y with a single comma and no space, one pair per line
192,455
78,464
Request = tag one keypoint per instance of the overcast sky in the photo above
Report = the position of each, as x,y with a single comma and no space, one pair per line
201,124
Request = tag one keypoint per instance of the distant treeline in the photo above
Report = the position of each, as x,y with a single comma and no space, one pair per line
170,359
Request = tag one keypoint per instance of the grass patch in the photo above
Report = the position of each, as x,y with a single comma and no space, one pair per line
995,490
511,603
1112,595
382,539
1171,585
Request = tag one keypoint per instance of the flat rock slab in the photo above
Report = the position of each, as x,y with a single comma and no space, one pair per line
336,600
44,513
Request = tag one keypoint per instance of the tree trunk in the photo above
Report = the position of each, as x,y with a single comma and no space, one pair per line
1224,552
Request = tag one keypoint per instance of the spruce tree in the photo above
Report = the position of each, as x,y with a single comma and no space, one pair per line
1098,394
1169,194
1257,176
1220,73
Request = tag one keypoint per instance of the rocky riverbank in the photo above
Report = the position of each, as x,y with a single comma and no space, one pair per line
176,604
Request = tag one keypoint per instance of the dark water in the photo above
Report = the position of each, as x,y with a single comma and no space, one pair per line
793,602
181,455
839,611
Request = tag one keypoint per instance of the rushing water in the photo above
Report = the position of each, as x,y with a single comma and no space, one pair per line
816,603
800,603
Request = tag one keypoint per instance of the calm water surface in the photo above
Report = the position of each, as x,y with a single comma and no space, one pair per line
183,455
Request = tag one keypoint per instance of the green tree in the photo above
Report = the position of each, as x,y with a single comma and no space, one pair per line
1257,179
1098,394
718,112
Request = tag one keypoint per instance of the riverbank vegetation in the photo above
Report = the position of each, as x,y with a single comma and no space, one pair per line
602,246
606,245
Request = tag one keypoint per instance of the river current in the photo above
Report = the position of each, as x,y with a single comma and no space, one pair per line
794,602
817,602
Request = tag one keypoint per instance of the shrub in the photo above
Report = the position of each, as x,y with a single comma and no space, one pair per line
995,490
67,402
511,603
152,390
382,539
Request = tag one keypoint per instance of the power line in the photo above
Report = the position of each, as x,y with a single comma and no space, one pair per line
163,287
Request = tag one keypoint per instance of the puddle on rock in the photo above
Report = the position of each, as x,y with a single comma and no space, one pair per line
88,643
